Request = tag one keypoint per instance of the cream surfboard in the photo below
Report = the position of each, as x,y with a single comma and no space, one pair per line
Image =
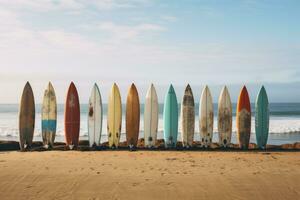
206,112
151,117
114,117
95,116
187,117
49,117
224,118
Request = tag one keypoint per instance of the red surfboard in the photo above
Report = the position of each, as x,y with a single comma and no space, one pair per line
72,117
243,119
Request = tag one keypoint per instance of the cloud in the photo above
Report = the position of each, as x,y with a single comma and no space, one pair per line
169,18
70,5
125,51
126,32
113,4
41,6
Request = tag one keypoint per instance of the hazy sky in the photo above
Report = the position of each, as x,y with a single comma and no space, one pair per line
193,41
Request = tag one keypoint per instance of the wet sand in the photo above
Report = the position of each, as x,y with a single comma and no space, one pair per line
149,175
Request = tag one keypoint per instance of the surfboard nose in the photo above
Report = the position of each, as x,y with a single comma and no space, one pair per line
114,87
50,86
171,89
132,86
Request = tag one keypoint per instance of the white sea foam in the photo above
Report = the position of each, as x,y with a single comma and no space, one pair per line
278,126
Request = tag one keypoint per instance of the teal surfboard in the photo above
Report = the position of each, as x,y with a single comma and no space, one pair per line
262,118
170,118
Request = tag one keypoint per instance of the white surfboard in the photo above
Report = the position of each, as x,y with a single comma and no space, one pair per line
151,117
224,118
206,112
95,116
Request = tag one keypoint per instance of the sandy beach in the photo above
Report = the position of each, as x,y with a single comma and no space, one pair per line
149,175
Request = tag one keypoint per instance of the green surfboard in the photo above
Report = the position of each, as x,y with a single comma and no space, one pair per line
262,118
170,119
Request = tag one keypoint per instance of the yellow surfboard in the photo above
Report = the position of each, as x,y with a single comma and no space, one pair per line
114,117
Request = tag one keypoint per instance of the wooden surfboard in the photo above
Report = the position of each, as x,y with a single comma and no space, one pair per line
206,112
132,117
224,118
49,116
72,117
262,118
26,117
243,119
187,117
170,118
151,117
95,116
114,117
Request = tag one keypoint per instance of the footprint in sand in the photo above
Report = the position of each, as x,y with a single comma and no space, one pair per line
135,184
274,157
171,159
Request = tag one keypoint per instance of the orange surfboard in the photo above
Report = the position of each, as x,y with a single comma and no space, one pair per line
72,117
132,117
243,119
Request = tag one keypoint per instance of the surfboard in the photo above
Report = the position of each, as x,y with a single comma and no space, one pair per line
262,118
151,117
114,117
95,116
132,117
187,117
243,119
26,117
49,116
224,118
206,112
170,117
72,117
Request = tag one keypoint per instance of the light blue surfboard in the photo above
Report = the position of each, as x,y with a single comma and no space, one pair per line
262,118
170,118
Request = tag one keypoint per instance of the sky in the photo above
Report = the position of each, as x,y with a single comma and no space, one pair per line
252,42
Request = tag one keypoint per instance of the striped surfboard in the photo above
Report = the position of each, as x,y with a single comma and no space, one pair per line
49,116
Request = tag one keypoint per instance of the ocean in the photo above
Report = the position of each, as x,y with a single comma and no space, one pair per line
284,123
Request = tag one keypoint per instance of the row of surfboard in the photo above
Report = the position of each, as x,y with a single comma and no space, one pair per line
151,114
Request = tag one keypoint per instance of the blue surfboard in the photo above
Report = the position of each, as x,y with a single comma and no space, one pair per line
170,118
262,118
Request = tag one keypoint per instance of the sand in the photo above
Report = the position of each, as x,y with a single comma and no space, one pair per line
149,175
